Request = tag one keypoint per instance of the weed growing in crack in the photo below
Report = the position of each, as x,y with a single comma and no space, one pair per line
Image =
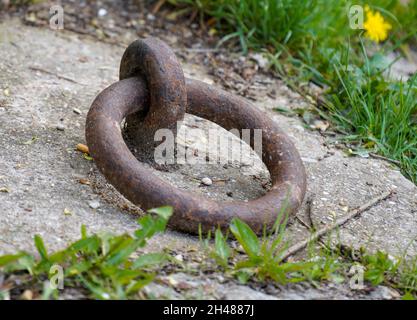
104,265
261,260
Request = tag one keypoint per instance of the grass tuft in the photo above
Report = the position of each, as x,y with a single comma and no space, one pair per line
262,262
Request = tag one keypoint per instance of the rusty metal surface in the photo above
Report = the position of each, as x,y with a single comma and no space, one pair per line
131,96
157,63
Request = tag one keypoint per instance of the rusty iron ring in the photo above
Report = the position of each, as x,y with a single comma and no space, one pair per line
136,182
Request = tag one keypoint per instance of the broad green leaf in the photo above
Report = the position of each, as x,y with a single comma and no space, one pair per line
222,248
244,275
148,228
135,286
246,237
27,262
122,252
90,244
150,259
78,268
151,225
41,247
163,212
6,259
247,264
60,256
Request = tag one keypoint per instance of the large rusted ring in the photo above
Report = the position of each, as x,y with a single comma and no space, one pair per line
139,185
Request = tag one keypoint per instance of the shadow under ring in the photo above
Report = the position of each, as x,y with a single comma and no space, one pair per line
139,185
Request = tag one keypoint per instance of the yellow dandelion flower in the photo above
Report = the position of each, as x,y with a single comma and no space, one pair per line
375,25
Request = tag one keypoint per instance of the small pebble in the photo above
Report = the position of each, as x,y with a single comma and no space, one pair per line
82,148
94,204
229,194
207,181
4,190
309,160
342,202
60,127
27,295
77,111
102,12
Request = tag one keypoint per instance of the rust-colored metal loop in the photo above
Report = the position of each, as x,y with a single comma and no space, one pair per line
132,96
156,62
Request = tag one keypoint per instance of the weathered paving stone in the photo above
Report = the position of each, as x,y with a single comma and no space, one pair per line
41,170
